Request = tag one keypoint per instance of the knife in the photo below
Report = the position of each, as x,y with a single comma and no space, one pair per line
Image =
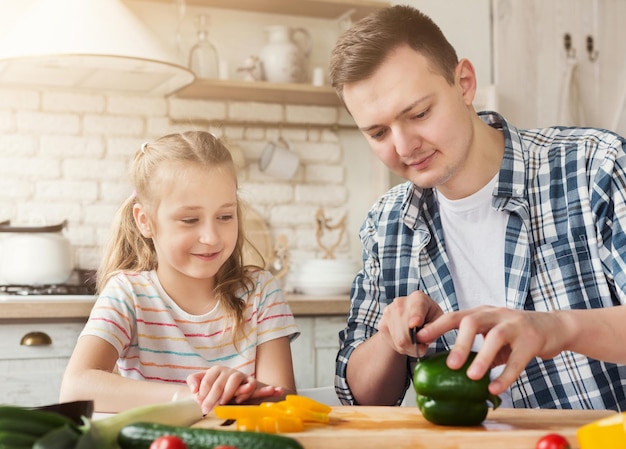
413,333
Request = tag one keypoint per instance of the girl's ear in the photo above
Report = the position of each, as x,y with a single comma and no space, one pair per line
465,78
142,220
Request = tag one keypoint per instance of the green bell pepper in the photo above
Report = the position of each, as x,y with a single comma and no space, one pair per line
448,397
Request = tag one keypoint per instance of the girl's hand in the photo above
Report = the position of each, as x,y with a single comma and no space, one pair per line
245,394
219,385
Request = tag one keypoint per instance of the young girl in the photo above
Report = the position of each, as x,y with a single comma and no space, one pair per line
178,312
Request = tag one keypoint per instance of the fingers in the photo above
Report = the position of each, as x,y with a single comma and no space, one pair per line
403,314
217,386
512,337
440,325
267,391
193,381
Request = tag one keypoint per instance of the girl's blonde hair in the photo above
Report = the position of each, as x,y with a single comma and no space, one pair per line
128,250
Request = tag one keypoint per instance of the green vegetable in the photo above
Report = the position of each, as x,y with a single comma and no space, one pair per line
75,410
141,435
65,437
15,412
21,427
448,397
102,433
29,428
16,440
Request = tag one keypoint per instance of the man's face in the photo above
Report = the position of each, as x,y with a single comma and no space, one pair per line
417,124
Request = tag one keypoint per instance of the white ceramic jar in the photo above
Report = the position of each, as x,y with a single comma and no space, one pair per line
285,56
35,255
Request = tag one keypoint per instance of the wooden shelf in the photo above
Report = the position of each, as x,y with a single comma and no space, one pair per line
79,309
260,91
264,92
324,9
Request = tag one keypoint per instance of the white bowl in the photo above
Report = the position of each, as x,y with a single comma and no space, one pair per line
323,290
328,265
323,287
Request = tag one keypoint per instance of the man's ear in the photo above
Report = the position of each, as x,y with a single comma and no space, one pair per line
142,220
465,78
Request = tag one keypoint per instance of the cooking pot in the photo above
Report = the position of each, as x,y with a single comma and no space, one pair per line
35,255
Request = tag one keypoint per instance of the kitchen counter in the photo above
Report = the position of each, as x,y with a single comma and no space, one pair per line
68,308
405,428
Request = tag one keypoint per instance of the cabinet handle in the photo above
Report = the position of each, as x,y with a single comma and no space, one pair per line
36,339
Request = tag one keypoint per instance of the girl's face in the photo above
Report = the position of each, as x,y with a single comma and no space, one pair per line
195,225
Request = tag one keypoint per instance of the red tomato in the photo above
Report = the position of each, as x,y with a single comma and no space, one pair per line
552,441
168,442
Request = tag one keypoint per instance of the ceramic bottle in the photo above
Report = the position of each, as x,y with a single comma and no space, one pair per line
286,54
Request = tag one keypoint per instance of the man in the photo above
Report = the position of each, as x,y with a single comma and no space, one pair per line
514,235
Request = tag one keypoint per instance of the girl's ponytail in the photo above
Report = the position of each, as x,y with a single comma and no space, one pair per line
126,249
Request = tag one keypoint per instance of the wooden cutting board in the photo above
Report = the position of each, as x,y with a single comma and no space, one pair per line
405,428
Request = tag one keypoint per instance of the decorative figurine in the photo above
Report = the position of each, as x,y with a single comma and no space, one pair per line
322,224
252,68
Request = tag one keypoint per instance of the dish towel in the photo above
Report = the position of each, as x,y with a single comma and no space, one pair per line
619,120
571,111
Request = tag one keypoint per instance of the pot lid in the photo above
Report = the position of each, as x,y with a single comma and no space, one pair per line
6,227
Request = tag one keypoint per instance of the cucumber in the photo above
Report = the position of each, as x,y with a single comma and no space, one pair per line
30,427
16,440
25,414
140,435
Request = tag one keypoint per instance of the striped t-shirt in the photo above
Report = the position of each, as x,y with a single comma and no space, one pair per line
158,341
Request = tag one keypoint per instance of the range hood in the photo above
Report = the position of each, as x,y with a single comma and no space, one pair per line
95,45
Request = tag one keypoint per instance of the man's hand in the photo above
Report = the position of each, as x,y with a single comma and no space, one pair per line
403,314
513,337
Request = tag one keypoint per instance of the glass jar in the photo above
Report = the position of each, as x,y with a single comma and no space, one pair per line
203,57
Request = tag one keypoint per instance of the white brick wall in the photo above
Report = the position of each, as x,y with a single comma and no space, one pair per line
65,155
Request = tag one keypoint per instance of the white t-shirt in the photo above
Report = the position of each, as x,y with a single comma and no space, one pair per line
474,234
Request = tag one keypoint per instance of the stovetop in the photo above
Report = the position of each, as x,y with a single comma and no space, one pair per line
81,285
46,290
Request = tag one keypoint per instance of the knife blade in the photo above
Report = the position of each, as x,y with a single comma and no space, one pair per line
413,333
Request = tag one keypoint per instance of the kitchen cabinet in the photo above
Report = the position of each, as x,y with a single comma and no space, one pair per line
314,351
265,92
31,375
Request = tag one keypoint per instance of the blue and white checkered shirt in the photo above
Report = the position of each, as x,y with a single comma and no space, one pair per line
565,192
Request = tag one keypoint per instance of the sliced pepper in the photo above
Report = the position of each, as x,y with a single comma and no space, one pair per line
605,433
275,417
304,402
260,418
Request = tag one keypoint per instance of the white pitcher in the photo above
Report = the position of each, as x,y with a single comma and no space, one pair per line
285,56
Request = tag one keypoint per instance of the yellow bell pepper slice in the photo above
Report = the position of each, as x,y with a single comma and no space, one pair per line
605,433
306,403
276,417
270,424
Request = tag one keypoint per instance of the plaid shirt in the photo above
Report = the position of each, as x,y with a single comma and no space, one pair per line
564,190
